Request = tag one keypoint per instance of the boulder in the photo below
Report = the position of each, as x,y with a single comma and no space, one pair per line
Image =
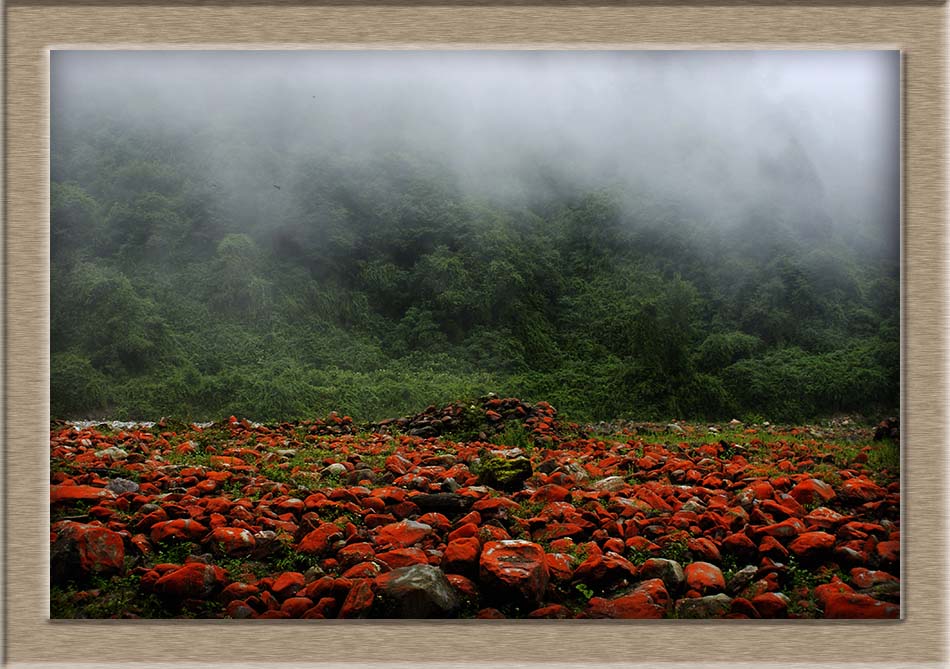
416,591
513,570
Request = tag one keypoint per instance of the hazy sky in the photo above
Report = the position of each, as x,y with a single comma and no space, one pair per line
720,130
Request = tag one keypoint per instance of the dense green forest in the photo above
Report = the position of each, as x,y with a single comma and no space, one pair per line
300,279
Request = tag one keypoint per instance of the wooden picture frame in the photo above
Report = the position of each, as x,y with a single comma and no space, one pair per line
34,27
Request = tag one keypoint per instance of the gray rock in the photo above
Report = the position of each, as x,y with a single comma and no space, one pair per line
417,591
694,505
711,606
315,573
669,571
336,469
265,543
576,470
889,591
242,611
120,486
112,453
358,475
741,579
443,502
610,484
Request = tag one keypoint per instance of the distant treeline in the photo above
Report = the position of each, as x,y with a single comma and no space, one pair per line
376,285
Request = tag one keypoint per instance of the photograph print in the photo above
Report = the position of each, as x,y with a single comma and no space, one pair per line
475,334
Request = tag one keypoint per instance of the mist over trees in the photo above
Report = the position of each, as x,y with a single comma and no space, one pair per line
629,234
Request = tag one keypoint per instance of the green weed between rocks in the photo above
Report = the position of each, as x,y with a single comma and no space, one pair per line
106,597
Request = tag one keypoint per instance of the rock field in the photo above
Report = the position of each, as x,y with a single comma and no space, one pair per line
491,509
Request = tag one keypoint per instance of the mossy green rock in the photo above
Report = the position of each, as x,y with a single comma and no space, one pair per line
502,473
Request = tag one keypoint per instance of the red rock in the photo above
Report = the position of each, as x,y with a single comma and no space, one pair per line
550,493
492,533
565,545
461,556
318,541
318,589
241,591
825,518
642,544
784,530
736,517
770,547
436,521
78,493
374,503
889,552
466,530
141,542
273,614
810,491
560,567
761,490
824,592
704,577
403,534
489,614
239,610
552,611
771,605
180,528
287,584
854,605
704,549
464,586
403,557
656,589
225,461
489,506
92,548
295,607
861,490
738,544
232,540
865,578
514,570
473,517
812,545
605,570
789,509
192,581
358,601
356,553
364,570
743,606
638,605
553,531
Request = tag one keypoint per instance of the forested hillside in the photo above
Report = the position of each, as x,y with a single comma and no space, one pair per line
241,262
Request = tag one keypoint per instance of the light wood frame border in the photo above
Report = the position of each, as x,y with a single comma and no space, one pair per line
32,27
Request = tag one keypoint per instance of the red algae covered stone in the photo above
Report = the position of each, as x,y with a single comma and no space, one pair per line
514,570
855,605
192,581
90,549
704,577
